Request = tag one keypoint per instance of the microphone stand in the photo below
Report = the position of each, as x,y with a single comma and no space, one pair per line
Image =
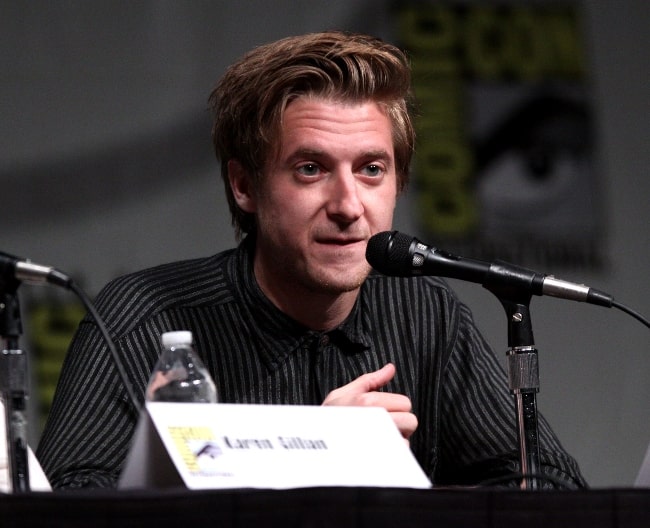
13,386
523,373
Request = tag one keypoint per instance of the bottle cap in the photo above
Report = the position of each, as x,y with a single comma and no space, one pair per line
179,337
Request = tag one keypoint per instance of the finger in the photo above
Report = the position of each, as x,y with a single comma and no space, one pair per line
406,423
377,379
364,384
390,401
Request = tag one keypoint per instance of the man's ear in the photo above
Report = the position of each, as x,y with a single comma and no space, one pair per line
242,187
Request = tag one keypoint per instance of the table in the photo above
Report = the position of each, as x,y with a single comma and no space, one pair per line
324,507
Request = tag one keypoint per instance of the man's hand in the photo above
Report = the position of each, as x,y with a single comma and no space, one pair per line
362,392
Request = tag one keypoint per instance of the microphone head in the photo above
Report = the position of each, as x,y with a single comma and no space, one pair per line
389,252
7,268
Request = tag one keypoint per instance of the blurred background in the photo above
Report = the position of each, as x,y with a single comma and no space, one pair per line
533,145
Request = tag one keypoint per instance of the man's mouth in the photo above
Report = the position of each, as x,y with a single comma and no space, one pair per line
340,241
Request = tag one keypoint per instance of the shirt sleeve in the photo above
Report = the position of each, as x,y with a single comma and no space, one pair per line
88,431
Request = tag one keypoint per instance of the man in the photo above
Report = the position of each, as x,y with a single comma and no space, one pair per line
315,142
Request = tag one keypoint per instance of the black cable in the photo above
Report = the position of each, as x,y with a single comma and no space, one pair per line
109,343
631,312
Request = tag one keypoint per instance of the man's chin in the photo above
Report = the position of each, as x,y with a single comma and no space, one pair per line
343,282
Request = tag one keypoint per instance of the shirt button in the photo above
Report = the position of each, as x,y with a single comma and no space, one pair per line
324,340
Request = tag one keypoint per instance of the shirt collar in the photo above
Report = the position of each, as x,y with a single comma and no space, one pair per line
276,334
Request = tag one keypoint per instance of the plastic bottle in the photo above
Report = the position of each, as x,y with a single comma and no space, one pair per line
179,374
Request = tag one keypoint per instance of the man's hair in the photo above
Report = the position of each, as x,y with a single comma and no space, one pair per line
249,101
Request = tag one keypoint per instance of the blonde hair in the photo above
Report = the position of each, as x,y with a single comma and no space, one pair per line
248,103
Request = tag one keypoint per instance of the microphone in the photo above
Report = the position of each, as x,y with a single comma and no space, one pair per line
26,271
23,270
396,254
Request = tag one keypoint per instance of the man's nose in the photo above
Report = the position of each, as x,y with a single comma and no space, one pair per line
344,201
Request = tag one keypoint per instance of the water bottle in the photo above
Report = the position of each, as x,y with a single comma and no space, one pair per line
179,374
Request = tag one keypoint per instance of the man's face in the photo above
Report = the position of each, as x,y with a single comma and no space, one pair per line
330,188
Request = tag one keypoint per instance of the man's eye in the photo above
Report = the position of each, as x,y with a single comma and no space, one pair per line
373,170
309,169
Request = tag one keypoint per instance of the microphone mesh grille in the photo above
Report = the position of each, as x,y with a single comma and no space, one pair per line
388,253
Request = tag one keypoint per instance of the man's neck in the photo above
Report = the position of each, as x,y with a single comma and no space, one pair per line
317,310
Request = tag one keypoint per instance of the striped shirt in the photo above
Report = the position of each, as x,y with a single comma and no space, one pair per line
257,354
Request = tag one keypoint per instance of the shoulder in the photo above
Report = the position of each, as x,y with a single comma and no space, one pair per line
430,287
424,300
188,283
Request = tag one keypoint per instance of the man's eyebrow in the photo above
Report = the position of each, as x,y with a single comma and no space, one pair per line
378,154
307,152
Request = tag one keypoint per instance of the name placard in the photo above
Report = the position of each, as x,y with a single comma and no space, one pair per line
643,478
205,446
